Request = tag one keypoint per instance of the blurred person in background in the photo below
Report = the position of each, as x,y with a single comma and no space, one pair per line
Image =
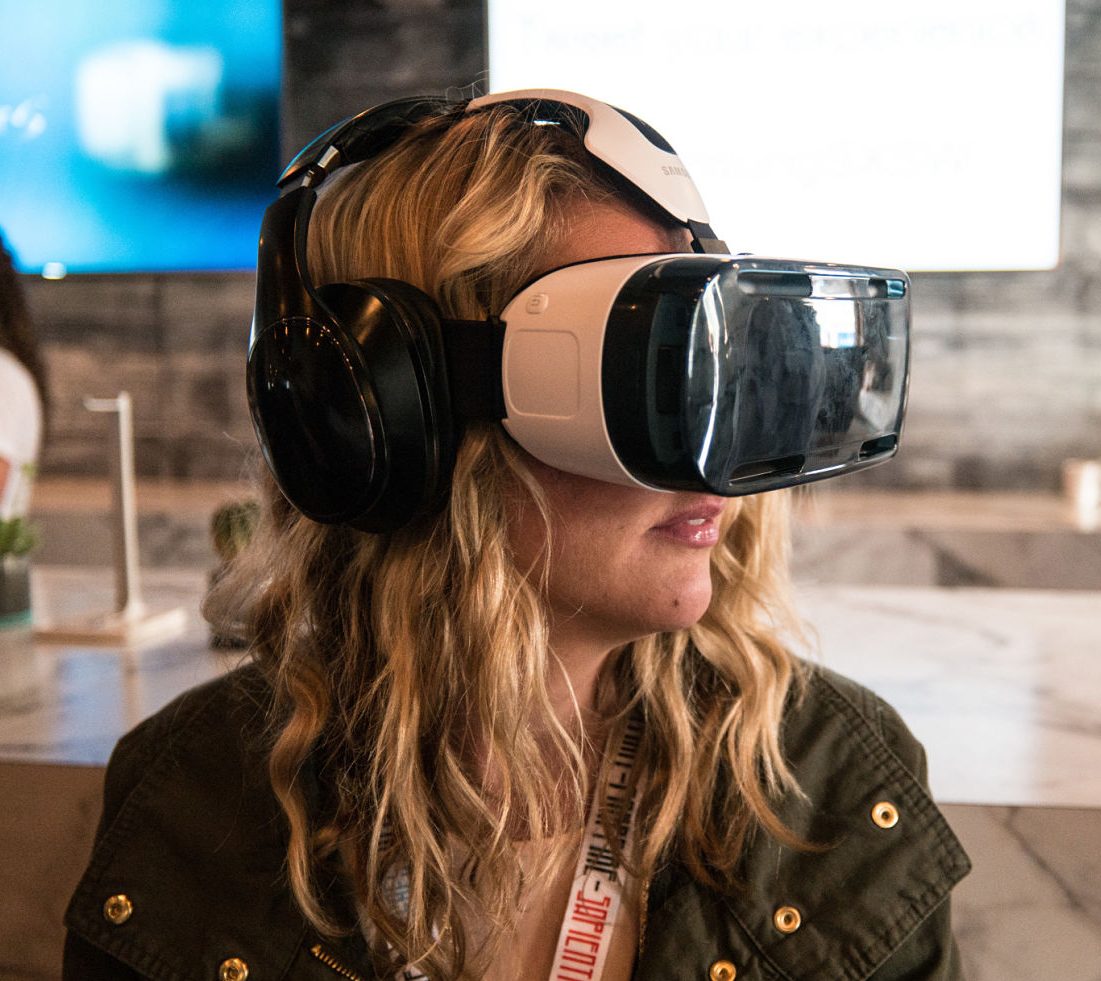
23,393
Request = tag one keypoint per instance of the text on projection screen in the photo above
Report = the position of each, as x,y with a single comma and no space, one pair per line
923,136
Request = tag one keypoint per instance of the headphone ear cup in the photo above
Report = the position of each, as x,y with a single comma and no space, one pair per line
352,405
318,432
396,331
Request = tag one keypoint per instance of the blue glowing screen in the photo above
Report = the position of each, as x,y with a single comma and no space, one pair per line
138,135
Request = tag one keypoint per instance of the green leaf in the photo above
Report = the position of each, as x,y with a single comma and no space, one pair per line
17,536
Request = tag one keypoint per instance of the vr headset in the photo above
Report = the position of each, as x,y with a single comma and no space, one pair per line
703,371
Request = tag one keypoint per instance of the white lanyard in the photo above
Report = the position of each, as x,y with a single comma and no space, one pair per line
597,892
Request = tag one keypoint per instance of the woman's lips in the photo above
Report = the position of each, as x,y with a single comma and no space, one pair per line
696,527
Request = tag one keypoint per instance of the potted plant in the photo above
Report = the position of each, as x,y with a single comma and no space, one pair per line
23,670
231,529
17,538
232,526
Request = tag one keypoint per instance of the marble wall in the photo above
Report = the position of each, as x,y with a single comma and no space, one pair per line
1007,366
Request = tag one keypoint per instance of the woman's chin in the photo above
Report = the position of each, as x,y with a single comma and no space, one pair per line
681,609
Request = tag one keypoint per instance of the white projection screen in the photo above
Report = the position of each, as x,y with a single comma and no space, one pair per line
926,136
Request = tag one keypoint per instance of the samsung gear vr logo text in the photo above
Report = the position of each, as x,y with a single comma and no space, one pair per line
673,171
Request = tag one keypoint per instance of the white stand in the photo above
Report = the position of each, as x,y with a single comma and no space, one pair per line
131,622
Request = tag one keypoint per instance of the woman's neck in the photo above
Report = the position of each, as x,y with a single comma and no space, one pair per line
578,655
572,686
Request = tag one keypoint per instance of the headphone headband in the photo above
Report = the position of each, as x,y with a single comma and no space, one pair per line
630,147
359,138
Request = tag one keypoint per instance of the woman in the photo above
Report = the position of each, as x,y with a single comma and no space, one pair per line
399,785
23,384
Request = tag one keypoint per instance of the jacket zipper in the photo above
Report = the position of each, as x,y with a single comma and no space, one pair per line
333,964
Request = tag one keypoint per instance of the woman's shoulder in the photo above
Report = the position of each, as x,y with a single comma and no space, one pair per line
190,823
240,696
20,390
868,895
204,730
877,883
20,426
831,712
11,367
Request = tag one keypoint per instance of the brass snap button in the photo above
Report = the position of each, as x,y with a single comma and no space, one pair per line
787,919
233,969
722,971
118,909
885,814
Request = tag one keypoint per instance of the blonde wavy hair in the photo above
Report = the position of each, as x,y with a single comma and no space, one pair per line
397,659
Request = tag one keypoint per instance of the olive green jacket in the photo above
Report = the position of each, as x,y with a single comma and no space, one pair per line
185,881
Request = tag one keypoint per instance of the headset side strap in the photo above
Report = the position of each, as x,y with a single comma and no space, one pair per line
704,240
473,349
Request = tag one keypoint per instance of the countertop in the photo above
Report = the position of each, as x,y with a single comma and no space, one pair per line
1003,686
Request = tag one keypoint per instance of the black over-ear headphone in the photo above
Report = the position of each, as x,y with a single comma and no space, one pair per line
348,382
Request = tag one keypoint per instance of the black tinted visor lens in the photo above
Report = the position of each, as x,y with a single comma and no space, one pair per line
752,379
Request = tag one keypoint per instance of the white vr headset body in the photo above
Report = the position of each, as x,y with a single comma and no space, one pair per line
833,365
